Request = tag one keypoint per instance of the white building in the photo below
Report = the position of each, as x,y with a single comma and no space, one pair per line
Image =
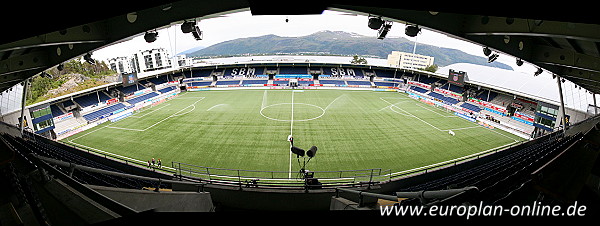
408,60
150,60
183,61
122,65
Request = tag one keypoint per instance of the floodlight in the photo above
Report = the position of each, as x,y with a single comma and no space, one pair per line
412,30
384,30
88,58
492,58
60,67
375,23
312,151
188,26
487,51
519,62
150,36
298,151
538,72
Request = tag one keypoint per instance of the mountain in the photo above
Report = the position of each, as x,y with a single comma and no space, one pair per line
339,43
191,50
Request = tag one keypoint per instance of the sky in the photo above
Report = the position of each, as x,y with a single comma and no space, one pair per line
243,24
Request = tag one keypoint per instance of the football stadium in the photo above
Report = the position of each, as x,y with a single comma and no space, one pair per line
292,134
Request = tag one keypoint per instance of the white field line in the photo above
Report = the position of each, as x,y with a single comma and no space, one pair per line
147,113
215,106
264,101
291,132
173,115
388,106
411,115
448,116
332,102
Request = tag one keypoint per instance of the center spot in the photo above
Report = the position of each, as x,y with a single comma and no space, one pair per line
283,112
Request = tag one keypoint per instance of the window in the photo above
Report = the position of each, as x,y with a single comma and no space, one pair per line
43,125
158,60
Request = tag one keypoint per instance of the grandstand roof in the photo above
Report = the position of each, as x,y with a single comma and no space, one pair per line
541,88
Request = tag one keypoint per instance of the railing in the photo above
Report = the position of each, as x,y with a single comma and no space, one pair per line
278,179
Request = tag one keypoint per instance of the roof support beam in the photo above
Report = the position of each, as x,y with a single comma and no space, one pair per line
565,58
487,25
89,33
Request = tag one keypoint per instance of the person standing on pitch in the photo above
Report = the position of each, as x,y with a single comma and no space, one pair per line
291,140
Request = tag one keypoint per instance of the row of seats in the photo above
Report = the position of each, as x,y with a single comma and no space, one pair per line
389,84
142,98
167,89
103,112
40,147
500,171
443,98
418,89
358,83
471,107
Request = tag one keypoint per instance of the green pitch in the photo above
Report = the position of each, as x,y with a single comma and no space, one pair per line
248,129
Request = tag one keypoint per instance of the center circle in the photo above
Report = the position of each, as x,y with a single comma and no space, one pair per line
302,112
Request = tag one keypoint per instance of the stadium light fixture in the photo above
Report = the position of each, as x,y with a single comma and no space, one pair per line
150,36
88,58
538,72
60,67
519,62
487,51
188,26
385,28
312,151
492,57
412,30
375,22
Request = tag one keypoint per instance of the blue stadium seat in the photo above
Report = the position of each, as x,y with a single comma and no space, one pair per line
199,83
232,82
254,82
87,100
167,89
333,82
142,98
418,89
390,84
359,83
56,111
103,112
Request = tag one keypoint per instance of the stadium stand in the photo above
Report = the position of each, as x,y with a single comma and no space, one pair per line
333,82
281,82
67,154
428,80
128,90
199,83
201,73
293,71
389,84
103,112
484,95
224,83
87,100
498,175
305,82
159,80
418,89
441,97
142,98
358,83
103,97
56,111
68,103
167,89
384,73
254,82
471,107
454,88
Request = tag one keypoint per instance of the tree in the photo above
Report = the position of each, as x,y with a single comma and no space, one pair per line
431,68
358,60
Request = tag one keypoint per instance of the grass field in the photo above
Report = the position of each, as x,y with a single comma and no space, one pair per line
248,129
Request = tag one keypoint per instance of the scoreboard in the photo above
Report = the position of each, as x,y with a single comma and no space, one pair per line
456,77
129,79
